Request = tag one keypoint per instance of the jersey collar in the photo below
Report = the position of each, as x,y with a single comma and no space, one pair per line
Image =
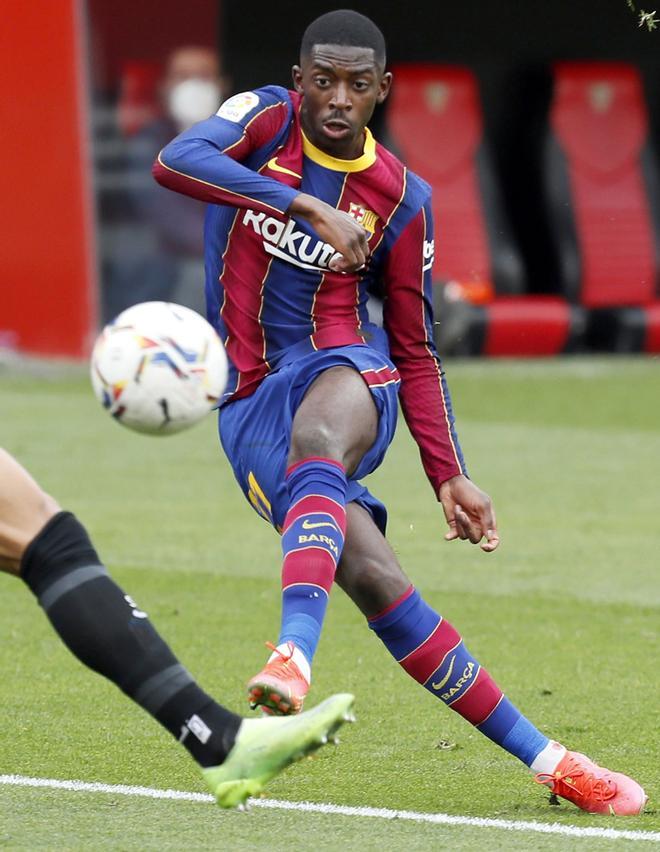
366,159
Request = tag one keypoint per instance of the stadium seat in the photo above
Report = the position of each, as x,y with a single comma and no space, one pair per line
601,188
434,123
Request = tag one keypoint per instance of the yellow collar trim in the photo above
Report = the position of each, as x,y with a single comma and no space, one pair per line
366,159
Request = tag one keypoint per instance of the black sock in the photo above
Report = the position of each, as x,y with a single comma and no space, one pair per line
107,631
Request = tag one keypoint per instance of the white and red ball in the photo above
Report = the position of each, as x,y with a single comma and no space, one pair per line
158,368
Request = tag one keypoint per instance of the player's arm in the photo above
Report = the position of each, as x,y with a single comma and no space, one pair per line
425,399
335,227
206,161
211,162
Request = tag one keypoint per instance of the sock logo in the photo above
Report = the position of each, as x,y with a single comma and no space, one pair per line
455,675
308,525
199,728
460,683
437,686
313,538
136,613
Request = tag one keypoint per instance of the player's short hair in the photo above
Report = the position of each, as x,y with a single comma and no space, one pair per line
344,27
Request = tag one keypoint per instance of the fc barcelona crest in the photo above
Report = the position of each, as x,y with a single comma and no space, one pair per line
364,217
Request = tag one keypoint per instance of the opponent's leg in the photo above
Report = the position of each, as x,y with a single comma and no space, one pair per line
105,629
110,634
432,652
24,510
334,426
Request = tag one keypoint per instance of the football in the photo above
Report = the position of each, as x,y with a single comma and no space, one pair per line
158,368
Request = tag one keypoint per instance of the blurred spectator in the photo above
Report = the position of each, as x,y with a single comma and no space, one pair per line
160,252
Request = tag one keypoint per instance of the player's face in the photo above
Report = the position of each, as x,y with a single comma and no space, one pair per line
340,86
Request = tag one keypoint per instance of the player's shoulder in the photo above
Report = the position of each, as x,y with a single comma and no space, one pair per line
419,188
241,108
418,191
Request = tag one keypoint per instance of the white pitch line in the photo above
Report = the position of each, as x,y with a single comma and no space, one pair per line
339,810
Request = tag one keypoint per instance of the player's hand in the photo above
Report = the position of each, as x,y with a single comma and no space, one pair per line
469,513
345,235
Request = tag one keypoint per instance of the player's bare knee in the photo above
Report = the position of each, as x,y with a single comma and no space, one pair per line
42,508
48,507
376,574
371,582
314,438
20,528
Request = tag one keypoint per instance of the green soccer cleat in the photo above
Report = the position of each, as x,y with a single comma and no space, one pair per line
264,747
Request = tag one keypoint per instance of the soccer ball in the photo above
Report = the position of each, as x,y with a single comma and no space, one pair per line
158,368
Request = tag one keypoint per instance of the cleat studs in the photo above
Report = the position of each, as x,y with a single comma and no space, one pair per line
323,739
334,740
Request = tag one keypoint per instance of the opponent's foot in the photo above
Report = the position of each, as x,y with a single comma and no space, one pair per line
264,747
592,788
280,687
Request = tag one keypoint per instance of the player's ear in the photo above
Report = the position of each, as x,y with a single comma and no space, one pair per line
384,87
296,74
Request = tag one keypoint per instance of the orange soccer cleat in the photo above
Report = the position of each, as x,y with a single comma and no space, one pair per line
592,788
280,687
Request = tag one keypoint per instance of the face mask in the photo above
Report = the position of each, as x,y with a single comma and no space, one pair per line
193,100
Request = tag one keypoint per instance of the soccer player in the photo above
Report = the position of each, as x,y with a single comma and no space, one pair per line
308,216
51,551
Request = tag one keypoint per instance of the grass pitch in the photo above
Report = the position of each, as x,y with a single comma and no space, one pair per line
565,615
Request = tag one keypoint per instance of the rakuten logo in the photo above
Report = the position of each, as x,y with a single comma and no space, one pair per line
282,240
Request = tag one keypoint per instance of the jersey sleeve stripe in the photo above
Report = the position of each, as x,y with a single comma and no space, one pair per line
450,431
235,195
246,129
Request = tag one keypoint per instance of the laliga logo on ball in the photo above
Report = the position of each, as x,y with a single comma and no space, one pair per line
158,368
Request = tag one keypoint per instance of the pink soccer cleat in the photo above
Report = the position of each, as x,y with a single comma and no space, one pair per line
592,788
280,687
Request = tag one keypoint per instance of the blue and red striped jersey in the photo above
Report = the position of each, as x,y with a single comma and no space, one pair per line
270,292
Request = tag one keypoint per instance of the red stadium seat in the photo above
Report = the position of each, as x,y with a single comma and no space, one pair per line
601,186
435,124
435,118
531,325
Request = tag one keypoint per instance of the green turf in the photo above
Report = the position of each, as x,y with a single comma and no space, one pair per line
565,615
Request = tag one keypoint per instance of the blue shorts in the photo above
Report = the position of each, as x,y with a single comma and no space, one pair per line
256,431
